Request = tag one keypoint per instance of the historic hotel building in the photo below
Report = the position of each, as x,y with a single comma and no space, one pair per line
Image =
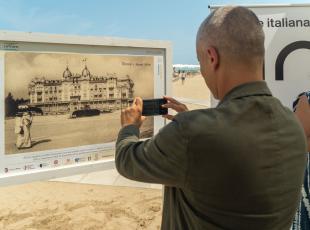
80,91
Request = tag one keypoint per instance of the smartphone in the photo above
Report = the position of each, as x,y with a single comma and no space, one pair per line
296,101
153,107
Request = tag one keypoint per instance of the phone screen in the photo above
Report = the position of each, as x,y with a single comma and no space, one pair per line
152,107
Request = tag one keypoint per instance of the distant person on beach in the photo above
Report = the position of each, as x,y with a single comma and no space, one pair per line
179,73
22,129
175,73
183,77
238,166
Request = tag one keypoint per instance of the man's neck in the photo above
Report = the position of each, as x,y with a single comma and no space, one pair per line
235,77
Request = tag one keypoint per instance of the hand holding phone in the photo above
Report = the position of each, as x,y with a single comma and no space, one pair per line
132,114
174,105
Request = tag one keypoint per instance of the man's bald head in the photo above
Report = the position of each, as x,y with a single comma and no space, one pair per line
235,32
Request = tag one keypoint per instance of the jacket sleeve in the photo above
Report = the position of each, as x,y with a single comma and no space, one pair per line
162,159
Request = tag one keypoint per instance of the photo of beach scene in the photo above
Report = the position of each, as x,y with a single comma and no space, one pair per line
61,100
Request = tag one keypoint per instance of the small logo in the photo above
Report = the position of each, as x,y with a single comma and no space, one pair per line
26,167
9,46
42,165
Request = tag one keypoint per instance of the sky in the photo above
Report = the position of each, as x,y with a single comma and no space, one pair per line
22,67
173,20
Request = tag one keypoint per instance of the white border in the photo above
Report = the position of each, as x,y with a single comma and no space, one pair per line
264,5
82,40
52,173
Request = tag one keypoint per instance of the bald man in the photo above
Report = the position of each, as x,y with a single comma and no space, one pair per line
238,166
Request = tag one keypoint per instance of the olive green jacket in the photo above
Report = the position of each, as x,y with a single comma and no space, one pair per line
238,166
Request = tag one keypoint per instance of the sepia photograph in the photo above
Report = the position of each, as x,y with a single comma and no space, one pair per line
61,100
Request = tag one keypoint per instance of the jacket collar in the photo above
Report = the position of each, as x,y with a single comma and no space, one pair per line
256,88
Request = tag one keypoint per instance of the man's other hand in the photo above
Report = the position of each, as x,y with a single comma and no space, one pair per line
175,105
133,114
303,114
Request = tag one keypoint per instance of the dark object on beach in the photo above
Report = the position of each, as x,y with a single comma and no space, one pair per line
85,113
32,110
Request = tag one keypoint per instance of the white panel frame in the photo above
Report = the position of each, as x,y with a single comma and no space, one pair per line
7,37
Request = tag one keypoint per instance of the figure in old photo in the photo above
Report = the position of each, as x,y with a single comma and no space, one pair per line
22,129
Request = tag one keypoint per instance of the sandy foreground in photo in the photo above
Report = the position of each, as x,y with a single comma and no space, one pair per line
58,131
67,206
64,206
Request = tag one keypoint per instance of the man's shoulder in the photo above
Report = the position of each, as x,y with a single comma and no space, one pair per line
189,116
198,118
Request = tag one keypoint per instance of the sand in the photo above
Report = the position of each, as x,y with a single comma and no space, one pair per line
193,87
67,206
193,90
64,206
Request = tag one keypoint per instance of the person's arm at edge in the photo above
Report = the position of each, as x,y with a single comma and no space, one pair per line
303,115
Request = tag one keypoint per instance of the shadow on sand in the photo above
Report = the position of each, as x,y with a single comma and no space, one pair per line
34,143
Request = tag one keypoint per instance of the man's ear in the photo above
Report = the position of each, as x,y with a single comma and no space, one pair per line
213,57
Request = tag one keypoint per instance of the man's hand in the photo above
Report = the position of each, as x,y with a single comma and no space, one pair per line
133,114
303,114
175,105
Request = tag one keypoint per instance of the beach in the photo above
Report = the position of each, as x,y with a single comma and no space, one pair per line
192,91
67,206
193,87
